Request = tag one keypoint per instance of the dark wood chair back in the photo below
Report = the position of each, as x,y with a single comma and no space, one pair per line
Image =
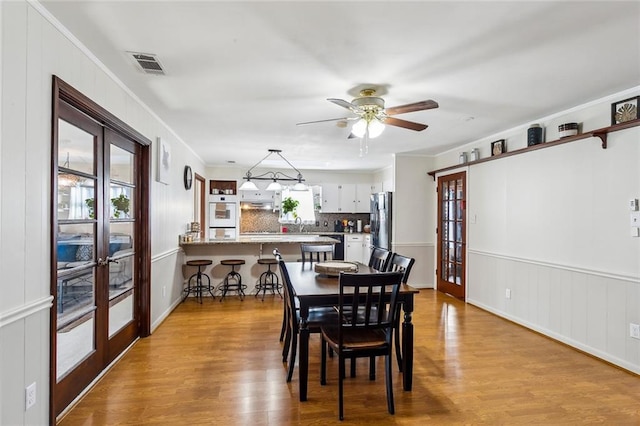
316,252
369,332
401,263
379,258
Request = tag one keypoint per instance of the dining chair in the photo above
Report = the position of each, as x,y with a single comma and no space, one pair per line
379,258
316,252
317,317
399,263
368,334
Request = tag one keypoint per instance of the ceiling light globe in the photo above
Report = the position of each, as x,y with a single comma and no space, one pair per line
248,186
274,186
375,128
359,128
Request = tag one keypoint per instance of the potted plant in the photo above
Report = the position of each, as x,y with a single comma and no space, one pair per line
90,202
289,206
120,204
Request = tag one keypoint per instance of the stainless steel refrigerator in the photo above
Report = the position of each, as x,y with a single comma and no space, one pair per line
380,220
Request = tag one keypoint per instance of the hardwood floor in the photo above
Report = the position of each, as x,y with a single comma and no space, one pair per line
220,363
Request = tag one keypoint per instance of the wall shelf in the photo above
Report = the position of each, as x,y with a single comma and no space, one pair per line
598,133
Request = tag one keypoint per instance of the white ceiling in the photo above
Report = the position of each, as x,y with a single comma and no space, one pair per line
240,75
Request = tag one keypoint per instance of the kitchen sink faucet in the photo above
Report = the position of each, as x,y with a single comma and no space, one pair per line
300,224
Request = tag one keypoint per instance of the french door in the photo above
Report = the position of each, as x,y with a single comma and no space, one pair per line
451,234
98,275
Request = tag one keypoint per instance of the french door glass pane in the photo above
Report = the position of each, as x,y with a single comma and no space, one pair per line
121,231
75,248
121,165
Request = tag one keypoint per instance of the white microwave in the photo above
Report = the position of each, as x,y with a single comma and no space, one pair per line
223,214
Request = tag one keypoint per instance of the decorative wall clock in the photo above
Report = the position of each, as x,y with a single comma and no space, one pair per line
188,177
625,110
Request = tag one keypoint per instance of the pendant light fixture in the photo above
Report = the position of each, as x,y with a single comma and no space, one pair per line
275,177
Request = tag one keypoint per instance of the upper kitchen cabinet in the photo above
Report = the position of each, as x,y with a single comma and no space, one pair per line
331,198
259,195
363,199
346,198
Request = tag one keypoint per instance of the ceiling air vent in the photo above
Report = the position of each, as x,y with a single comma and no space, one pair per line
147,63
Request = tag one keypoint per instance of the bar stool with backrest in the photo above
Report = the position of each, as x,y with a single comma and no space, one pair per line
198,287
268,279
233,280
316,252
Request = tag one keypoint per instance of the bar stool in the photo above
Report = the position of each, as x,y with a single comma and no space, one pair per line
233,280
268,279
198,287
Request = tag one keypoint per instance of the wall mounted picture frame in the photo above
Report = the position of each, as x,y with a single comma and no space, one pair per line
625,110
164,161
498,147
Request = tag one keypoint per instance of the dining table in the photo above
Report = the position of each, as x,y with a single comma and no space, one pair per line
313,289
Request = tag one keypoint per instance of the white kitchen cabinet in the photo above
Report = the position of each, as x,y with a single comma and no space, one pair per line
353,249
259,195
366,248
338,198
363,197
348,198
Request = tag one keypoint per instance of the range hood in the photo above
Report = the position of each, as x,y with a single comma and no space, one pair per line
256,205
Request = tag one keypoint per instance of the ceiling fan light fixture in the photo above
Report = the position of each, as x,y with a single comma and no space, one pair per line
359,128
376,127
373,126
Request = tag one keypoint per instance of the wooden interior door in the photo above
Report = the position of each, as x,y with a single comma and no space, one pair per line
451,235
100,251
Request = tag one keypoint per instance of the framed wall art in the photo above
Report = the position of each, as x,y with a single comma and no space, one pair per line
164,161
625,110
498,147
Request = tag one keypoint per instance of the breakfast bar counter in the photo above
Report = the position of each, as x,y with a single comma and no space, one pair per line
266,238
250,248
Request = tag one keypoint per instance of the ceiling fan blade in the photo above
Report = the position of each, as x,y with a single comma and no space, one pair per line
417,106
343,104
324,121
404,123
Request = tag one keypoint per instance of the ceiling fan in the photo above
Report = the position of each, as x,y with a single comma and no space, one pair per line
372,116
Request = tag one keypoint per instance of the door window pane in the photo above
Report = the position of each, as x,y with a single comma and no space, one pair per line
121,165
121,202
76,199
75,149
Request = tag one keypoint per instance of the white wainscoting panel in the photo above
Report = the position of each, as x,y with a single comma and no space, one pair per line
587,309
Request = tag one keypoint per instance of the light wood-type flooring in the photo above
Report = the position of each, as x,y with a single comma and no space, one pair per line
220,364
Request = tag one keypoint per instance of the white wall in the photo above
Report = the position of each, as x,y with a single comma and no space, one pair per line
553,226
33,49
413,217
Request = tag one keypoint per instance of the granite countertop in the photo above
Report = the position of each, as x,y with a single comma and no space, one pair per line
265,238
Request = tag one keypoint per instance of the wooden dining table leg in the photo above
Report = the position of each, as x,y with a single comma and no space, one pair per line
303,369
407,345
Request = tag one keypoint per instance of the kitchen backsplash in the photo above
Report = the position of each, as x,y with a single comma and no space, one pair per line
267,221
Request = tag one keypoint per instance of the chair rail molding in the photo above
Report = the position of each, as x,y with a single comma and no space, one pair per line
25,311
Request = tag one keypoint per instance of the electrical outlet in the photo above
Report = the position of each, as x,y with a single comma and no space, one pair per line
634,330
30,396
507,293
317,223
